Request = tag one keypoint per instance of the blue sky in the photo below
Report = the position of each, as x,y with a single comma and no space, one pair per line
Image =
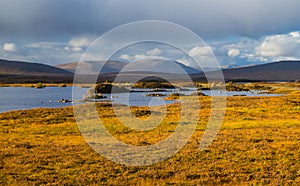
238,32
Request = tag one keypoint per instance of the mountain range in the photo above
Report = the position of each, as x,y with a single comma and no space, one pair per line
25,72
275,71
92,67
146,66
22,68
17,72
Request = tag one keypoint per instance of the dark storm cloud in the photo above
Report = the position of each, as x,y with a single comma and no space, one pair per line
48,18
208,18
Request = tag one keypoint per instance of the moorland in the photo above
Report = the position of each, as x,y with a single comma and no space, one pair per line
258,144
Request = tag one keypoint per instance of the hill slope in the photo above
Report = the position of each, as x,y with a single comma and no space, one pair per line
25,68
140,66
160,66
275,71
91,67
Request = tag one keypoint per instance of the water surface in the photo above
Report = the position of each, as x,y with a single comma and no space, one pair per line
19,98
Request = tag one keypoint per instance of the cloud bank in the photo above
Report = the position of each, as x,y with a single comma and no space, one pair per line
280,45
208,18
238,32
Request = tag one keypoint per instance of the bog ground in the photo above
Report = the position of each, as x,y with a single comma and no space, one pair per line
258,144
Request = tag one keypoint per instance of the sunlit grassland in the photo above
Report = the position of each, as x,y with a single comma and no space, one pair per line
259,143
33,85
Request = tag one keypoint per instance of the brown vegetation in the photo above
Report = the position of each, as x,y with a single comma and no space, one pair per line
257,145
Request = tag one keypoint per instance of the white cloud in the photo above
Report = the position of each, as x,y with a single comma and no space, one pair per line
9,47
233,52
241,52
49,52
125,57
137,57
203,55
77,44
81,41
154,52
142,56
45,45
284,45
295,34
73,49
201,51
267,49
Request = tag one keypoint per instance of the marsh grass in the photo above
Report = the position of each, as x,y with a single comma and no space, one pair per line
257,145
33,85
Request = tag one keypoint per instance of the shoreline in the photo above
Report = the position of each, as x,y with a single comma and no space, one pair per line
32,85
48,142
62,107
111,102
282,89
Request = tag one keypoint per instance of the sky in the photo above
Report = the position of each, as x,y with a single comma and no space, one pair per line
237,32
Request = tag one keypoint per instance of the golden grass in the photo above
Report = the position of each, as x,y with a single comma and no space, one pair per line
33,85
257,145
